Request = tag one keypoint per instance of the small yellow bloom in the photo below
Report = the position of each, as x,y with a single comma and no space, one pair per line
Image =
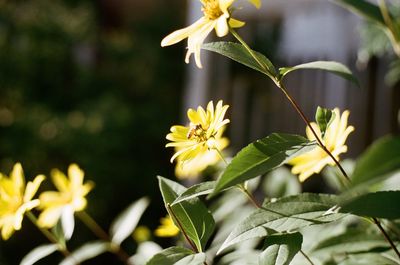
203,133
141,234
216,16
16,199
194,167
335,137
167,228
71,193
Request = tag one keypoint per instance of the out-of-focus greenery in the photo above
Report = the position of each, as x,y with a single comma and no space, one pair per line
87,82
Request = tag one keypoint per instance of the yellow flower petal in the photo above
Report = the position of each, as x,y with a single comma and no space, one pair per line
167,228
32,187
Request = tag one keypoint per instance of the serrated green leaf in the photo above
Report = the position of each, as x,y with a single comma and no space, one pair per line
170,256
86,252
381,204
123,226
366,9
351,241
191,215
39,253
281,249
196,190
380,159
285,215
330,66
238,53
260,157
324,117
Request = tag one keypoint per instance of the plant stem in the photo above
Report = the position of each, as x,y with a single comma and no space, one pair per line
393,34
48,234
307,257
296,106
249,195
220,155
100,233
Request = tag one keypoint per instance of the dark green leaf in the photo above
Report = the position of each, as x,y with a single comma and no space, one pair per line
238,53
190,215
330,66
379,204
285,215
260,157
324,117
381,158
366,9
352,241
197,190
170,256
281,249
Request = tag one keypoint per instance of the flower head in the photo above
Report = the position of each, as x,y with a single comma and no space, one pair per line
71,193
216,16
316,159
167,228
16,199
203,133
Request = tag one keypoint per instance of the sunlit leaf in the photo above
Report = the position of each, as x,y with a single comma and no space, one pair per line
330,66
190,215
86,252
285,215
67,221
368,259
260,157
281,249
170,256
126,222
238,53
196,190
38,253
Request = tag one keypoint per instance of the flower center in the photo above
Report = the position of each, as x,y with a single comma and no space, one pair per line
196,132
211,9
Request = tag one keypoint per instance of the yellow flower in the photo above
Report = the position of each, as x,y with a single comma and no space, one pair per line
16,199
167,228
141,234
194,167
203,133
216,16
71,193
335,137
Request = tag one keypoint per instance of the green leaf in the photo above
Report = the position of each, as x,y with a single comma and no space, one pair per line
197,190
380,159
238,53
281,249
190,215
170,256
366,9
123,226
352,241
330,66
381,204
194,259
260,157
281,182
39,253
324,117
86,252
287,214
368,259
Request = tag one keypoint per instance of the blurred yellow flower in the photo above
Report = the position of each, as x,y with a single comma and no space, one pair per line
194,167
203,133
71,193
141,233
16,199
216,16
167,228
335,137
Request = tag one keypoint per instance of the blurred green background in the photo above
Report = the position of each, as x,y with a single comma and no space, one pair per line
87,82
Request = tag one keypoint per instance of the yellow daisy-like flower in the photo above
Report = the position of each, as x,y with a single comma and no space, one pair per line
71,193
202,134
216,16
194,167
167,228
16,199
335,137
